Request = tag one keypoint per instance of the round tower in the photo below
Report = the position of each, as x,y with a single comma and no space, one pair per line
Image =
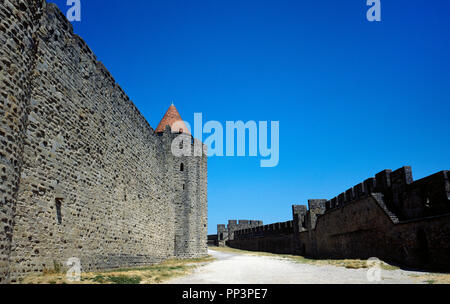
188,183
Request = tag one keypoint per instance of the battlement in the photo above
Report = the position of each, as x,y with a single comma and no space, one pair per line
221,228
266,230
242,224
226,233
403,196
299,215
389,216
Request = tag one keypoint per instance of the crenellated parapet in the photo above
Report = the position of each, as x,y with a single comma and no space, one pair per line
299,215
403,198
227,233
264,231
406,198
389,216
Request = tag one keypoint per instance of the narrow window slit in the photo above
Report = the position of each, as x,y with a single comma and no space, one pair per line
58,203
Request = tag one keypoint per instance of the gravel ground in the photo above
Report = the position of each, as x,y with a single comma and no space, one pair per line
232,268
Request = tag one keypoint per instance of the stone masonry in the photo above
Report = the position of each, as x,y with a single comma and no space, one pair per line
83,173
225,234
390,216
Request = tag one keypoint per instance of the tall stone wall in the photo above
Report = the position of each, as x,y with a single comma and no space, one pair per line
274,238
84,174
390,217
225,234
17,61
363,229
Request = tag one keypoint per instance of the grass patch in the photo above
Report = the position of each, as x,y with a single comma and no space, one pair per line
153,274
57,268
123,279
349,264
433,278
120,279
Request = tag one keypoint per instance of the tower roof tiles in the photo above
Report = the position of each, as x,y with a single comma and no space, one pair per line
172,119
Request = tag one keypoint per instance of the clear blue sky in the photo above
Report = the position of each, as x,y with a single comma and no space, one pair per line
352,97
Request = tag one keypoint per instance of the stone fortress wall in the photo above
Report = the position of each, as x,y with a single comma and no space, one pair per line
83,173
390,217
274,238
226,233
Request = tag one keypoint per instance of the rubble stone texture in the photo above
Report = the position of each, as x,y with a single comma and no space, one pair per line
391,217
83,173
225,234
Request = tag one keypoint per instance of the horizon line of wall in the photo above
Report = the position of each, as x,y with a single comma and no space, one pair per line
390,216
434,189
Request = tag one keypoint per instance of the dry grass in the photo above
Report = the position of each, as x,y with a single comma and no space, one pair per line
350,264
434,278
154,274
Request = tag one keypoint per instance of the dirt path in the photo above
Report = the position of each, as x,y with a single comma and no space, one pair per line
236,268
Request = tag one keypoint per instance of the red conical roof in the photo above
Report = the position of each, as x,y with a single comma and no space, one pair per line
172,119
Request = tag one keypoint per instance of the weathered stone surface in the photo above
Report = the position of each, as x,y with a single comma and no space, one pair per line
83,173
227,233
390,217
